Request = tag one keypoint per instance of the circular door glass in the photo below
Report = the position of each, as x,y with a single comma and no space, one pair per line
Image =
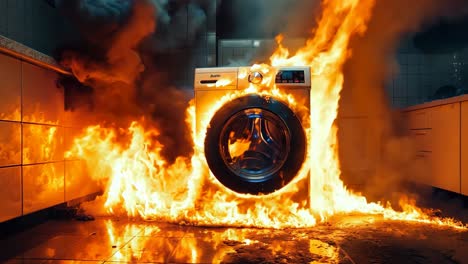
254,144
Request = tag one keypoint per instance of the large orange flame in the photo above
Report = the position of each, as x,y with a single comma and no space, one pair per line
139,182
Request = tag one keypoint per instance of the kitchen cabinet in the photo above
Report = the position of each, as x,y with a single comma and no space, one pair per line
439,131
420,119
445,146
422,139
78,182
10,143
42,101
464,148
43,186
420,131
10,180
42,143
33,173
10,89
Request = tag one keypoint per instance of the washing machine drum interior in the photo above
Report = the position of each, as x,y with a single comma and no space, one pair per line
255,144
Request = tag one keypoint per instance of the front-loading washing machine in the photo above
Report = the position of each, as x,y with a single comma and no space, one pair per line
254,143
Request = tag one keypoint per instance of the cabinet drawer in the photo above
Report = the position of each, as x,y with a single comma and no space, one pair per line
421,168
419,119
422,139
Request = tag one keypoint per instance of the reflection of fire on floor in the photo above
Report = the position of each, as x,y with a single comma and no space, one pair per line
344,239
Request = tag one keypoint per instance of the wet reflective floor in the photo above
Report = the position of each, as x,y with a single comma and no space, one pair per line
344,239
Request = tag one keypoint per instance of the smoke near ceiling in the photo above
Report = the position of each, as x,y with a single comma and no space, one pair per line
179,22
266,18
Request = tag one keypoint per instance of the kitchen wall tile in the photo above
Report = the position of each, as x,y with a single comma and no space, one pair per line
15,9
403,69
413,69
400,102
423,74
389,89
4,17
35,24
424,68
28,23
426,92
402,58
400,89
413,86
414,59
413,100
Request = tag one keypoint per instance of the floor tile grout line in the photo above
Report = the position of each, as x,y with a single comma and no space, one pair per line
179,240
60,259
134,236
345,253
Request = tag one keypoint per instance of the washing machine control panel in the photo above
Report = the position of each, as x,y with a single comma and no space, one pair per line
232,78
290,76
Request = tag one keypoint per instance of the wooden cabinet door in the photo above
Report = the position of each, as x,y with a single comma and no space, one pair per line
464,148
420,119
446,147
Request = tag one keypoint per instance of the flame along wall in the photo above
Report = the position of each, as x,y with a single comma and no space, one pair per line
34,133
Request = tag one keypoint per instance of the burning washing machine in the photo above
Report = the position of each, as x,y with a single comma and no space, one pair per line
254,144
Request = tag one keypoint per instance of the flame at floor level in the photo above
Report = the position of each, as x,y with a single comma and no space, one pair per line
140,183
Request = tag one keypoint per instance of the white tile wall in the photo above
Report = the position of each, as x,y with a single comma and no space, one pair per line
33,23
201,49
244,52
420,75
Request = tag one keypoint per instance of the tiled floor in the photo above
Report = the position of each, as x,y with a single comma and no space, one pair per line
344,239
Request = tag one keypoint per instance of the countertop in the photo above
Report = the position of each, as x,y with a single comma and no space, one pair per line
434,103
23,52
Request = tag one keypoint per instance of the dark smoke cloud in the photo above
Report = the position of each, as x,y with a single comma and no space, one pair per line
96,19
123,56
180,22
267,18
264,20
121,61
392,156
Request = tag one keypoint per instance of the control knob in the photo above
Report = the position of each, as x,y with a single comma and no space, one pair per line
255,77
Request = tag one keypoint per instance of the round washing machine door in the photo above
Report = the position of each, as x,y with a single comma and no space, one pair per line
255,144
